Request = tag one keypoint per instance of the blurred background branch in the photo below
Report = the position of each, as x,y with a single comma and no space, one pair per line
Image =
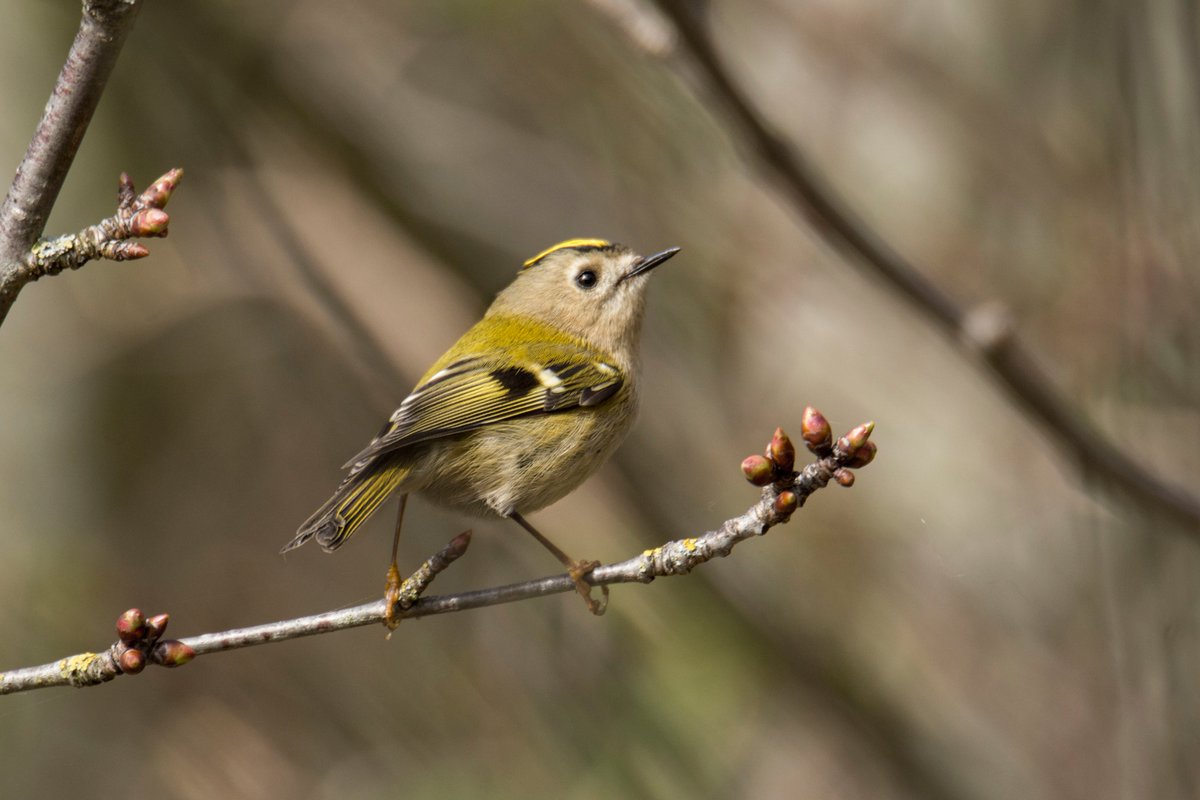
985,332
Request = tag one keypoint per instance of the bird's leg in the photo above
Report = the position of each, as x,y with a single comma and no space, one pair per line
576,569
391,590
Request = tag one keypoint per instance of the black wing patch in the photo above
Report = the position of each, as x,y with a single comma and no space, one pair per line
515,380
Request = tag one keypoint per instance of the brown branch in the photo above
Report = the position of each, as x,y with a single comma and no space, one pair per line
784,491
102,31
984,333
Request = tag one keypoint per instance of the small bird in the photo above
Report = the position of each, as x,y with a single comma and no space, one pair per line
521,409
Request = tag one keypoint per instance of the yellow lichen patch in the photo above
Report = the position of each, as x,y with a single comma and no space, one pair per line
73,666
689,544
569,243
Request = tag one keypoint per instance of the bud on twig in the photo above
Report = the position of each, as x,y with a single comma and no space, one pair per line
123,250
844,477
173,653
125,191
159,192
459,544
132,661
855,439
786,503
758,470
865,455
149,222
782,452
156,625
815,430
131,626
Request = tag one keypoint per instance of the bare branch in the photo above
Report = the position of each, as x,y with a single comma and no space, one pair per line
784,492
102,31
983,333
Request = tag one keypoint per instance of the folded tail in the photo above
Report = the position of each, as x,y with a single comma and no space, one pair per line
351,505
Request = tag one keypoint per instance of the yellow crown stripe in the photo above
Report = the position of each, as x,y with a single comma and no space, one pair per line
569,243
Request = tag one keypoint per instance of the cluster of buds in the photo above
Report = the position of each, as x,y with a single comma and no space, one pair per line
852,451
140,215
141,640
778,465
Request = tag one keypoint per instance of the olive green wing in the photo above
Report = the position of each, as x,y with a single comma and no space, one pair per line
484,389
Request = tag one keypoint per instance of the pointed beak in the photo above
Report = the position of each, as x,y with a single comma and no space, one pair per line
650,262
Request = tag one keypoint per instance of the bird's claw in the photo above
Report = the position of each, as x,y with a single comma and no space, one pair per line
579,570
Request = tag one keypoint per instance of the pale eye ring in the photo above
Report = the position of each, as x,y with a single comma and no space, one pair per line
586,279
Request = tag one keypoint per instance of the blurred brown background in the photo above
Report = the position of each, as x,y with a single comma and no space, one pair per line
972,620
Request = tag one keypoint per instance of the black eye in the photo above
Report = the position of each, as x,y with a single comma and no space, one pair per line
586,279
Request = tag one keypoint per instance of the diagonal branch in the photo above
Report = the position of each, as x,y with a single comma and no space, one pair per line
102,31
784,492
986,332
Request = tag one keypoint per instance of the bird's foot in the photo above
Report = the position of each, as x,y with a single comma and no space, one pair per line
391,596
578,570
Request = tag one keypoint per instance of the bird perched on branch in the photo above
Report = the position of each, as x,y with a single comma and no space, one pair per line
520,410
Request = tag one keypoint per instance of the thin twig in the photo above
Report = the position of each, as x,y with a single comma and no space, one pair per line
138,215
102,31
784,493
984,333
